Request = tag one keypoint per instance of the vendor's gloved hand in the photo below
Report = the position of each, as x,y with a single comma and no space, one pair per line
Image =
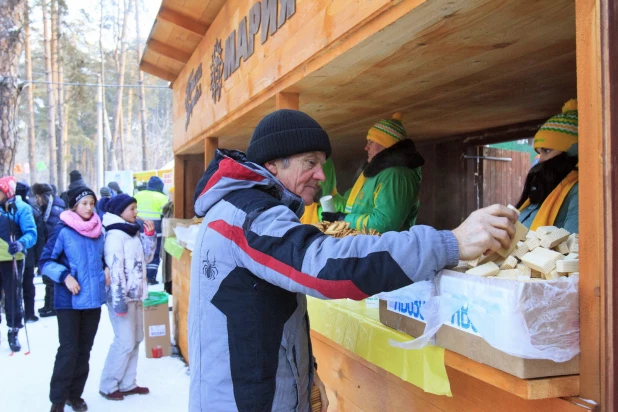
16,247
332,217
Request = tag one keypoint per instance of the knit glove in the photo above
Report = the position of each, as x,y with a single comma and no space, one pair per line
16,247
332,216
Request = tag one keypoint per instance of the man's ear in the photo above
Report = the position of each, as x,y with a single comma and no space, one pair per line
271,167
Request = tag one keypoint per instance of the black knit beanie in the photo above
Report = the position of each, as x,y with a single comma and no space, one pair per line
286,133
78,193
119,203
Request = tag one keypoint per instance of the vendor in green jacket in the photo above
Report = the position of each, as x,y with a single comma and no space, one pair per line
551,192
385,196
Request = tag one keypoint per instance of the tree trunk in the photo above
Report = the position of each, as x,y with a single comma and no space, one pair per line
51,101
12,36
30,92
59,79
122,67
129,124
142,100
102,56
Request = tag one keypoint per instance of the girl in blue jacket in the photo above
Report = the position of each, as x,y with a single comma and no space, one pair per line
73,259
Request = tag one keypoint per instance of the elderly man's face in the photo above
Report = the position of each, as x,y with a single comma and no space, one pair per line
301,175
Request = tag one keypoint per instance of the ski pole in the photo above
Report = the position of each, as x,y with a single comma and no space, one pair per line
19,297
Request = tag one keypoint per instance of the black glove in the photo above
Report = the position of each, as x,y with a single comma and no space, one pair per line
332,217
15,248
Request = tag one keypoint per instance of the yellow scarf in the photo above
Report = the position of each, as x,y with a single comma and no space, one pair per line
360,182
548,212
311,214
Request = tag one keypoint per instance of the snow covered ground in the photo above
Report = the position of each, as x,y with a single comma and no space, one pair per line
24,380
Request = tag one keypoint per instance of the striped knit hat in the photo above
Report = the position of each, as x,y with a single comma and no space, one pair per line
387,132
560,131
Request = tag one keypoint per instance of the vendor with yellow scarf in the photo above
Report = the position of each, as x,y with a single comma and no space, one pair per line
385,196
551,191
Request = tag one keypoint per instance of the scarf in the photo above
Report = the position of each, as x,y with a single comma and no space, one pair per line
312,214
548,212
48,209
360,182
130,229
89,228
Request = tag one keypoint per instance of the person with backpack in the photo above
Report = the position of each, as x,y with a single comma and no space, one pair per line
73,259
17,235
127,252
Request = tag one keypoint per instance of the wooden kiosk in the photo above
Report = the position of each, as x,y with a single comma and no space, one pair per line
464,74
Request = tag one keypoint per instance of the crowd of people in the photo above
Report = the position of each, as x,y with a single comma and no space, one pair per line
89,252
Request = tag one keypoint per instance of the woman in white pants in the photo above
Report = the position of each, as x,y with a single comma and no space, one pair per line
127,252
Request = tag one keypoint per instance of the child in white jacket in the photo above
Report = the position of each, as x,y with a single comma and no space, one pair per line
127,252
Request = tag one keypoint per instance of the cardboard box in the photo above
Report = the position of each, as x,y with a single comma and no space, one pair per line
470,345
157,331
403,316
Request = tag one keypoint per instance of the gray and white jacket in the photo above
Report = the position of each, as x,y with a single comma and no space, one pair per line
126,255
253,265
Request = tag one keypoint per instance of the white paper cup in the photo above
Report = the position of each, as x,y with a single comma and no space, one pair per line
328,205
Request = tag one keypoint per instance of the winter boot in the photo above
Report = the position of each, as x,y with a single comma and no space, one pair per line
78,405
114,396
47,313
13,341
138,390
57,407
31,319
46,302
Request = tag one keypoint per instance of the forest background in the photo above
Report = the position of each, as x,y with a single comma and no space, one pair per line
68,43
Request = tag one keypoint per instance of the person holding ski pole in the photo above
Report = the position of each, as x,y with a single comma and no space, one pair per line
17,235
73,259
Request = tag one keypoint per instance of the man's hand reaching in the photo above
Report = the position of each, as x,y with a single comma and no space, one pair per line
487,229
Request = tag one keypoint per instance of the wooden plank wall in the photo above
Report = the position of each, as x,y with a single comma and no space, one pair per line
503,182
445,187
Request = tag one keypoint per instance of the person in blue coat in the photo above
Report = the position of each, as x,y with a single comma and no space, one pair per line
50,208
73,259
17,235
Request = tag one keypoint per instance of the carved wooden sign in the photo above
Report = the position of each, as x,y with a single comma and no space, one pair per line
193,92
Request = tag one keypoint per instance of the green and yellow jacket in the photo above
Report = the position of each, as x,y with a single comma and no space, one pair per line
386,195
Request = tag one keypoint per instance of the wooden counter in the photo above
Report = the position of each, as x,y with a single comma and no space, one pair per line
475,387
354,384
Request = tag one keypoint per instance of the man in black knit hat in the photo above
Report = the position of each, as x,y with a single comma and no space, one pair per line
75,180
254,263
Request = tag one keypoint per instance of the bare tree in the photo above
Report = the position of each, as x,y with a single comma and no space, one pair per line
11,43
121,73
51,101
30,94
59,78
142,100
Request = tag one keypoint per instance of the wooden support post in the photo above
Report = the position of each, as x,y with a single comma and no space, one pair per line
597,73
179,187
285,100
211,144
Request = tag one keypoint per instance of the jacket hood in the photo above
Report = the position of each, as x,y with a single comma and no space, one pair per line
59,202
155,184
230,171
111,219
401,154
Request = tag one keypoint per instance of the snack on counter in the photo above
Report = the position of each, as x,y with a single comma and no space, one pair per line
548,253
342,229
